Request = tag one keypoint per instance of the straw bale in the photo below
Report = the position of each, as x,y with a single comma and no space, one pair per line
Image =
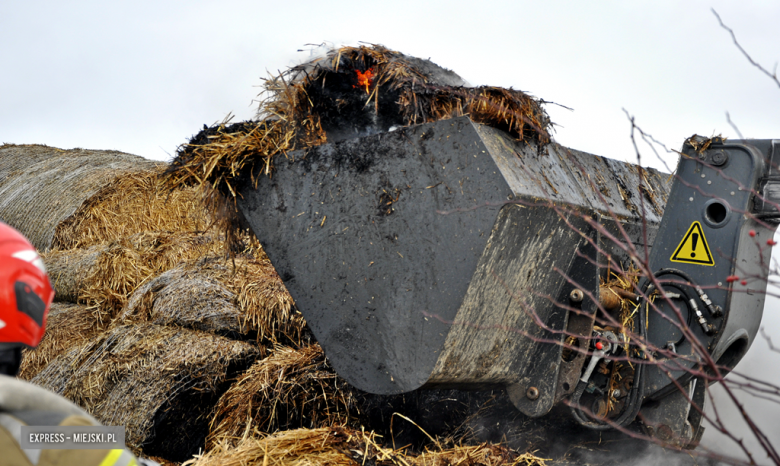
345,446
41,186
104,275
320,93
69,271
401,90
151,379
130,204
323,446
290,388
67,325
295,388
261,296
252,285
187,298
352,91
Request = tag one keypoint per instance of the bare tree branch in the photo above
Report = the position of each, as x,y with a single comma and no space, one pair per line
772,76
734,126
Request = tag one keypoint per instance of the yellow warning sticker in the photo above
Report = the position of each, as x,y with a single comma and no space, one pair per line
693,248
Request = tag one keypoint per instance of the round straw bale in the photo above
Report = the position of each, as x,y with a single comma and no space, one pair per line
295,388
133,203
41,186
261,296
69,271
67,325
159,382
185,297
290,388
104,275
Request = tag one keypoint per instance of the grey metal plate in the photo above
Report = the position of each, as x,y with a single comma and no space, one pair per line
365,279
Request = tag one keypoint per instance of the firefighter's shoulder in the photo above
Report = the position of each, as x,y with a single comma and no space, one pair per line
24,404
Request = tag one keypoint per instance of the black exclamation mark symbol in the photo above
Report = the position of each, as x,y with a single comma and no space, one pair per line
695,239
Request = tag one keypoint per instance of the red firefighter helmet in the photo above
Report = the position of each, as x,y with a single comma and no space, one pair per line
25,291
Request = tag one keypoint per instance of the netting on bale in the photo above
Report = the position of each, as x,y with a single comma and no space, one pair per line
159,381
261,296
68,325
185,298
41,186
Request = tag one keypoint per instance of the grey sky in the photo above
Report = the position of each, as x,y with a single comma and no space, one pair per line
143,76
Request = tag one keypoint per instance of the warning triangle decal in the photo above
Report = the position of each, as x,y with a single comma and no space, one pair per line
693,248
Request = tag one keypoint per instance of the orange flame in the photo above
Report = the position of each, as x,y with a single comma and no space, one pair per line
365,79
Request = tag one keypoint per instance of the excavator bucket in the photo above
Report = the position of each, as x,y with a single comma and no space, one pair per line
453,254
450,255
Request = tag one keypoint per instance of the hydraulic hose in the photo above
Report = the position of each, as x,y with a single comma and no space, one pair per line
626,417
715,310
635,396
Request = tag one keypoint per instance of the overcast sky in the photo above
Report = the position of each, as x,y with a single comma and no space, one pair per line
143,76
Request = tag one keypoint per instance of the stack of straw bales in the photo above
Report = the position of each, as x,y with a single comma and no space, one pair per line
153,319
